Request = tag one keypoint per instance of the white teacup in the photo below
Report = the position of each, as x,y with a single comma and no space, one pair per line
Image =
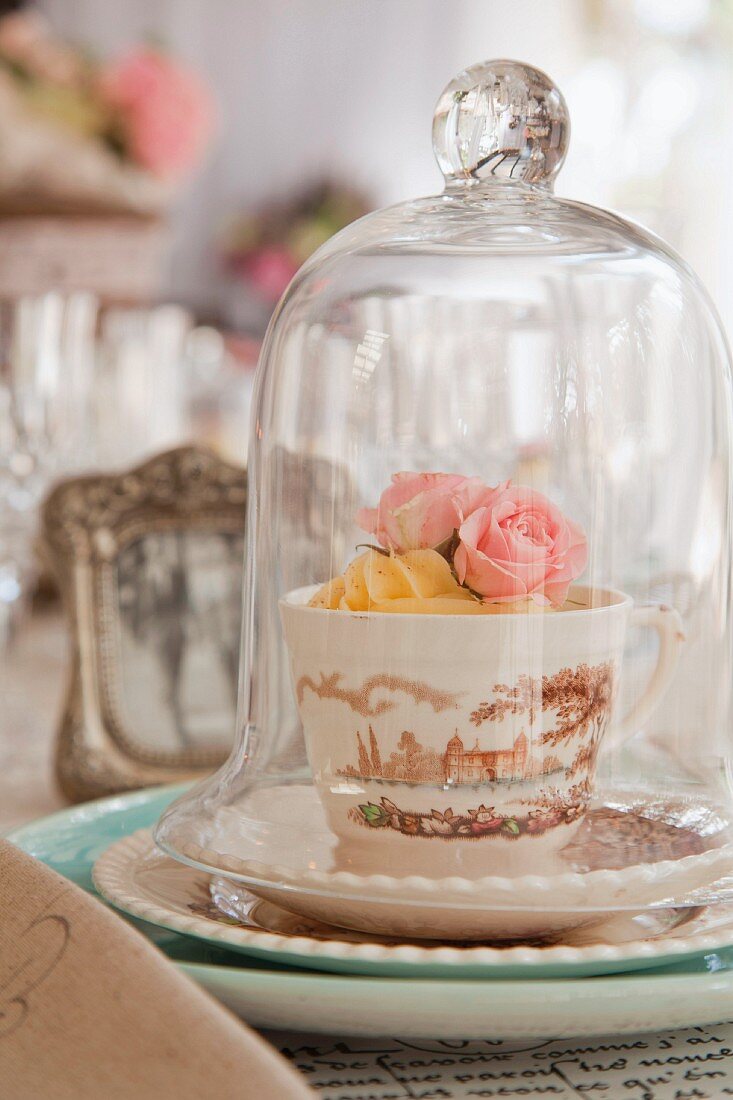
464,744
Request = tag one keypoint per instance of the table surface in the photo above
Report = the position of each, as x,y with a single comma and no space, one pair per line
32,684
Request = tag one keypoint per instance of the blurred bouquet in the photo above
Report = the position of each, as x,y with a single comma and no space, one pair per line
85,135
267,246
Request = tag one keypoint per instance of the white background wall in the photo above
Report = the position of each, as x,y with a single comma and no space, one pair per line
314,86
347,87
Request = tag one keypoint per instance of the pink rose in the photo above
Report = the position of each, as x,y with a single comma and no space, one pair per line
166,114
419,511
520,544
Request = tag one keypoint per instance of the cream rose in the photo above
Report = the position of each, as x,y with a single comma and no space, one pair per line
419,582
420,511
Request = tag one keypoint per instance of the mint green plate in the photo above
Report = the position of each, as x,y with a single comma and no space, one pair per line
694,992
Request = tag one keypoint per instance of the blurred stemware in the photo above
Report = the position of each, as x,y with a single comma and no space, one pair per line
140,397
46,377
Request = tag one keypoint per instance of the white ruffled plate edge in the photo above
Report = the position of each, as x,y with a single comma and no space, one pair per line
112,876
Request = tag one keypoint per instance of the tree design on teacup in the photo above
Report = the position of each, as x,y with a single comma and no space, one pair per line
410,762
581,699
585,758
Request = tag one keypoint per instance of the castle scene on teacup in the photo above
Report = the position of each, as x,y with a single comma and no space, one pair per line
526,768
449,544
508,792
555,724
456,765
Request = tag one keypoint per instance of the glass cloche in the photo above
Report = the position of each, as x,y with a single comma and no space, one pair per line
486,664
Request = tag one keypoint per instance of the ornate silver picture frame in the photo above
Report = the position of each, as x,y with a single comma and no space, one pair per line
149,563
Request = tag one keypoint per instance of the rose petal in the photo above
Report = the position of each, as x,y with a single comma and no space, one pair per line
520,543
421,510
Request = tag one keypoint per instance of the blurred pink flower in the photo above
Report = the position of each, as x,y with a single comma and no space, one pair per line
270,270
166,113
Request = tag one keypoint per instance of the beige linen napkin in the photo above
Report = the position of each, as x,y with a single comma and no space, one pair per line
90,1009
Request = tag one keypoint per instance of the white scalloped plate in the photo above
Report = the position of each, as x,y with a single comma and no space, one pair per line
138,879
632,856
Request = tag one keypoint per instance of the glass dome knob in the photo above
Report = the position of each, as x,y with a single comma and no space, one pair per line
501,120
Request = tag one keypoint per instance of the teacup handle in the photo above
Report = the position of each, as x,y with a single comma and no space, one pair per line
668,625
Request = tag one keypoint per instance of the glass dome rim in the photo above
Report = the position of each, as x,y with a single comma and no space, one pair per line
609,227
434,900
